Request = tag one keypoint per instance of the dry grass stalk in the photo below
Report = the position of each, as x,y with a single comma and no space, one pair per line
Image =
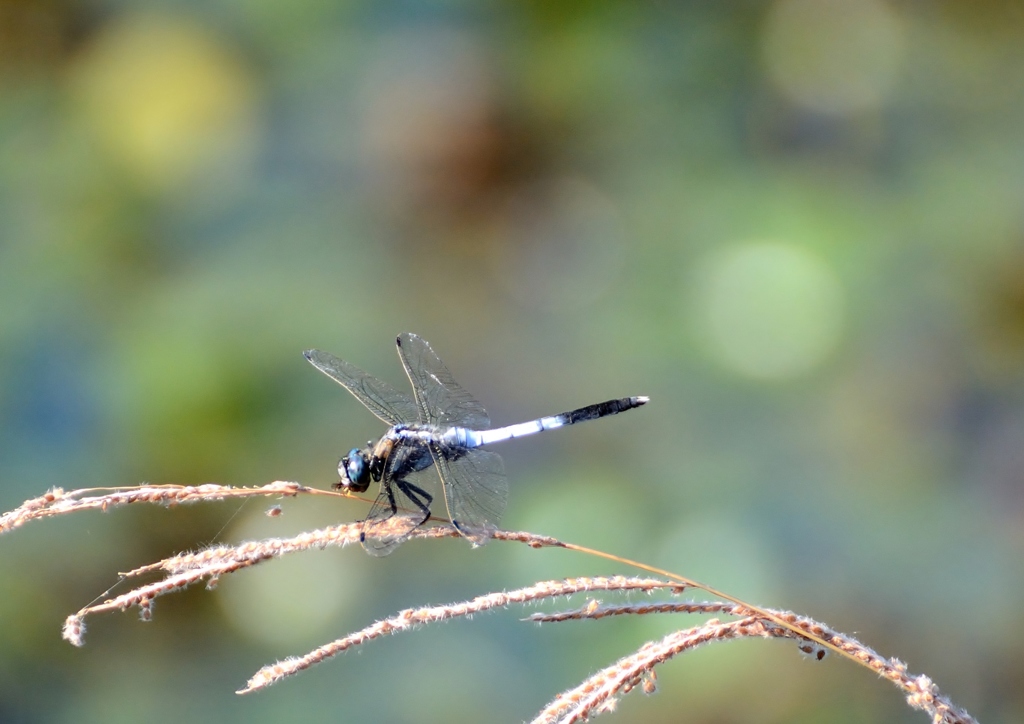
412,617
597,694
186,569
595,610
58,502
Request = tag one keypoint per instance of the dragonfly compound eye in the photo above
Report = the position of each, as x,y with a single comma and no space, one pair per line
354,471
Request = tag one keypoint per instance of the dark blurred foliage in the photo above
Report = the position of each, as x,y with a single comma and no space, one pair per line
798,226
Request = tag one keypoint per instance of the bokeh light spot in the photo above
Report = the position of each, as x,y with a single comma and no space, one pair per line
165,97
833,56
769,310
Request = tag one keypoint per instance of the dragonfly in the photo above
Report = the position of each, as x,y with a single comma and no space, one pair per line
438,432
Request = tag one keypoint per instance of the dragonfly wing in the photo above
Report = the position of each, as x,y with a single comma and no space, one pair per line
440,399
386,527
475,490
380,398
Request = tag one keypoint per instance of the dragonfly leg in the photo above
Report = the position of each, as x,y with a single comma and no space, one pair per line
420,497
375,517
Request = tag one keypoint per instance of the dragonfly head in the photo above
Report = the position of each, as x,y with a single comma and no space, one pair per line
354,470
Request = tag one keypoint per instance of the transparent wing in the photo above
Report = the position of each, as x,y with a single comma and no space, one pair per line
441,400
475,490
402,506
383,400
388,525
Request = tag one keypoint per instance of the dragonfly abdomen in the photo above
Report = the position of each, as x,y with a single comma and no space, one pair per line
582,414
602,409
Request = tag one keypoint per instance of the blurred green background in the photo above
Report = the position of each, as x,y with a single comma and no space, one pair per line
797,225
